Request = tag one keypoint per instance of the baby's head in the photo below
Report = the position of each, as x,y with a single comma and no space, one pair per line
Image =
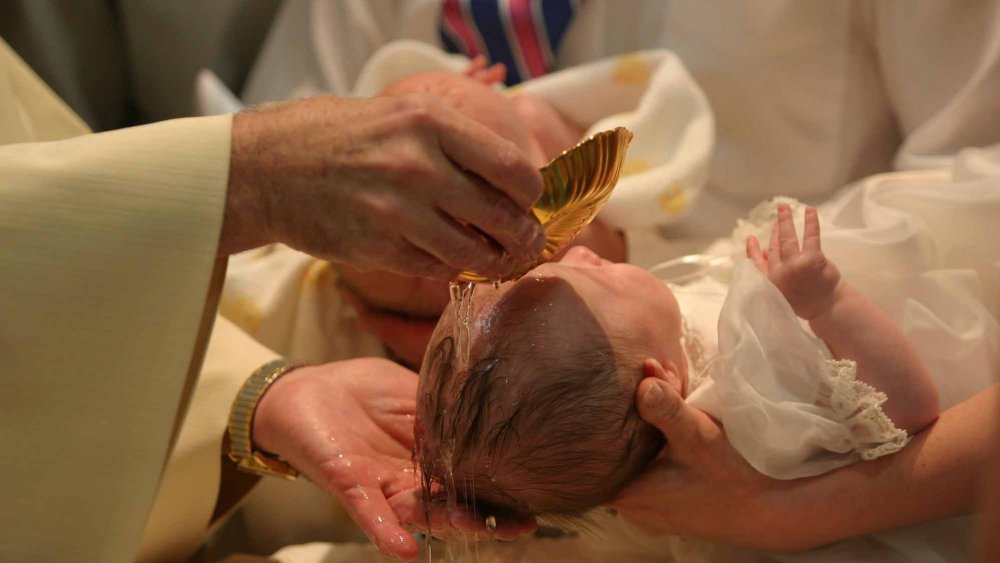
542,420
474,99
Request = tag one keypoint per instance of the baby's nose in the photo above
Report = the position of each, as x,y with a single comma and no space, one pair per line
580,256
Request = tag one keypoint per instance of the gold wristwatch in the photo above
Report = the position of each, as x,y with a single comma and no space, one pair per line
241,449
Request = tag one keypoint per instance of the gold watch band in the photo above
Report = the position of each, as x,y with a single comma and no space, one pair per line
241,450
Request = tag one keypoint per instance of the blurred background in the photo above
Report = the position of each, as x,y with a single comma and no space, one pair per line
129,62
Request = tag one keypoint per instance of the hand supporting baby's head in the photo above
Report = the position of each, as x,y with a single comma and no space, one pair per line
475,99
542,420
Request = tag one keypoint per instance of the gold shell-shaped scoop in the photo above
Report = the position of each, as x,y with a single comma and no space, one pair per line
577,184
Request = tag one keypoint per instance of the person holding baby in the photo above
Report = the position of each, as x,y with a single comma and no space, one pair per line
730,476
745,169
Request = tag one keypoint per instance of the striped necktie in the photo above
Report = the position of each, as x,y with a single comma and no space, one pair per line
522,34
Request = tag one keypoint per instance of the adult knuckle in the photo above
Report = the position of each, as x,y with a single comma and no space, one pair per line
420,110
354,494
817,261
409,167
388,209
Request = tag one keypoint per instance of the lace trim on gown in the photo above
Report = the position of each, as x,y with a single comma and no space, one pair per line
859,406
854,403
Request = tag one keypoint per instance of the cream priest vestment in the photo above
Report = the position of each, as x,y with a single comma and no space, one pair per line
108,283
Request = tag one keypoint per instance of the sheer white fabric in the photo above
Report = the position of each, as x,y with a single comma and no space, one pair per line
920,246
923,247
788,406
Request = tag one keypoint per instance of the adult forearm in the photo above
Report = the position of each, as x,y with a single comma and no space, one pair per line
937,475
989,523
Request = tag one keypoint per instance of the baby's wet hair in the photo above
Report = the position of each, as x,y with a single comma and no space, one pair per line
542,421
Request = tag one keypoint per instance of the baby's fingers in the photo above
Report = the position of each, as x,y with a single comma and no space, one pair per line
495,74
477,64
810,232
788,241
489,75
754,253
773,255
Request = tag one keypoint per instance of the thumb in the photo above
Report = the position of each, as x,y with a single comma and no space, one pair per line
661,405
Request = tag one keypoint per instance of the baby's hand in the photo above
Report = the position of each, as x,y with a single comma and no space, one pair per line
806,278
489,75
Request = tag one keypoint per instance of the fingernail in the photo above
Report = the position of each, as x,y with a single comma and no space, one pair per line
538,245
653,396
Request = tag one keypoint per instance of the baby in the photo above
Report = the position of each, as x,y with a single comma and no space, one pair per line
541,420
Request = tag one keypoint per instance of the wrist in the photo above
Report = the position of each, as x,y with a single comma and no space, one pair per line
827,309
266,433
245,450
245,224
